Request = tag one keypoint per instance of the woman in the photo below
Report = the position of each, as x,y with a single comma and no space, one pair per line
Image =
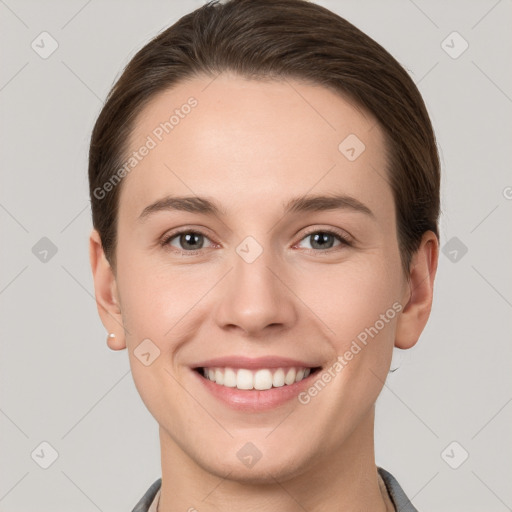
264,181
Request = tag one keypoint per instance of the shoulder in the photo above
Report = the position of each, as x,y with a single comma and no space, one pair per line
397,494
146,500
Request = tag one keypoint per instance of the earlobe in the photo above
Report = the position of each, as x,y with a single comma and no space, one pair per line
106,294
114,343
418,298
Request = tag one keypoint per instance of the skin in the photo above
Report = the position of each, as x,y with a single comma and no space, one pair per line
251,146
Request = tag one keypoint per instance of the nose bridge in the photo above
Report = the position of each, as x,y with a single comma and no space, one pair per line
253,282
253,277
253,296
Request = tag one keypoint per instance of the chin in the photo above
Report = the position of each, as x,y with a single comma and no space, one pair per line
263,471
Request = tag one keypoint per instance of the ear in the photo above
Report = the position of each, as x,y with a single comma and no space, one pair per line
419,292
106,294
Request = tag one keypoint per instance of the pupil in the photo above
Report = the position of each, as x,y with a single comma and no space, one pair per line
190,239
320,240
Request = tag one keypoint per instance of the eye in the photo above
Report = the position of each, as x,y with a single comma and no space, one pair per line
324,239
190,242
186,241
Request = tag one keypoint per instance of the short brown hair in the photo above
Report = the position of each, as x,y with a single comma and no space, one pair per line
276,39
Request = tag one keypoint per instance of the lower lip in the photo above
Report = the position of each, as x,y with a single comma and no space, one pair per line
252,400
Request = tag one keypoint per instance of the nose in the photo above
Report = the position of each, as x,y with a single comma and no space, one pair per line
255,298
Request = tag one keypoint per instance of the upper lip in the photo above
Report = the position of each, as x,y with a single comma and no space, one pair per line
258,362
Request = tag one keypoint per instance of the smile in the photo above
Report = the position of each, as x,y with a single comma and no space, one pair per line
254,384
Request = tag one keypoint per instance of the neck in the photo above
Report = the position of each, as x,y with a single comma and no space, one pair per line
344,479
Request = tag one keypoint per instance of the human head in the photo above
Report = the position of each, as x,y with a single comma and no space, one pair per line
255,58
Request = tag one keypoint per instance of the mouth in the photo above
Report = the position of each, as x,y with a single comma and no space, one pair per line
256,379
254,384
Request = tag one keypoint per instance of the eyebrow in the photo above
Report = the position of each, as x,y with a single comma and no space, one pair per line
311,203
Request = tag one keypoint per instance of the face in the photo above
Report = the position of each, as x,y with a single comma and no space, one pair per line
253,278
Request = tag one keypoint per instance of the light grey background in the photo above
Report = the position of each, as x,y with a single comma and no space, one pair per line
61,384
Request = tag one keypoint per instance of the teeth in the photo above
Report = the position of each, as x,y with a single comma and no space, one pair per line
263,379
229,378
219,376
278,378
258,379
290,376
244,379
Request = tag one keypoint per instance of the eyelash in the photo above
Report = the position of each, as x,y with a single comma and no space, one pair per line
342,237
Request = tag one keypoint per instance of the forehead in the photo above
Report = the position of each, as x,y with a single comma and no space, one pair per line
247,141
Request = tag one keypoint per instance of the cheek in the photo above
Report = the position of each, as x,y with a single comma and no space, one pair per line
359,304
370,318
164,397
150,296
351,297
154,299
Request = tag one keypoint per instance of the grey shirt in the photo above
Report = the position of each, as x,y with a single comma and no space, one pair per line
149,502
